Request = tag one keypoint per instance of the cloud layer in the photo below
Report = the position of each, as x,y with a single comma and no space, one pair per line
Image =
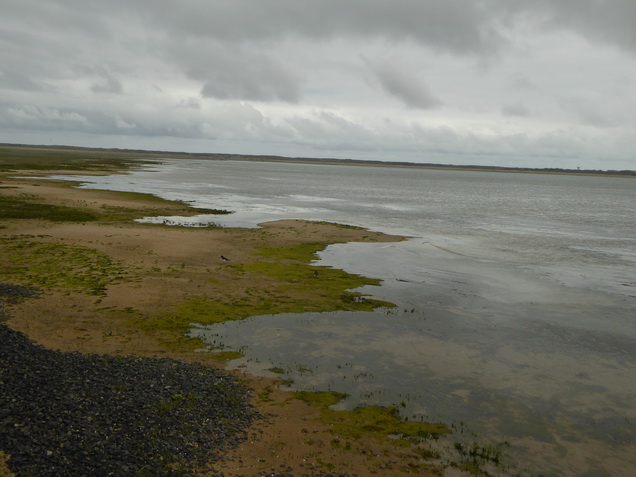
510,82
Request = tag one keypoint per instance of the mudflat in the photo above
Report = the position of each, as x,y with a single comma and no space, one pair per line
112,286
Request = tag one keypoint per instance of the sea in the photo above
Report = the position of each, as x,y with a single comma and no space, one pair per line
515,294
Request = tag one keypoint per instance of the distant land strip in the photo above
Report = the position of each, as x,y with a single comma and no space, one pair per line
150,154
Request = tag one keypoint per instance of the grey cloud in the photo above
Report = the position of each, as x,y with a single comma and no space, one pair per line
252,83
327,124
47,118
515,109
461,26
520,82
190,103
108,84
399,83
14,80
606,21
64,17
42,117
237,74
457,26
586,110
103,80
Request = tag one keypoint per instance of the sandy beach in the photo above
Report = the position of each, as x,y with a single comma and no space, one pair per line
140,285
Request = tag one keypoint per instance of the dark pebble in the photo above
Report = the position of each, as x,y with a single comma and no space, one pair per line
74,414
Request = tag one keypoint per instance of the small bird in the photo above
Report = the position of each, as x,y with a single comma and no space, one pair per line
225,259
315,273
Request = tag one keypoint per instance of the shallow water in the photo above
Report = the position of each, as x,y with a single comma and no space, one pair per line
516,299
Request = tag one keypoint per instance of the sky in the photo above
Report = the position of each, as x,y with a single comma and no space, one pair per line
515,83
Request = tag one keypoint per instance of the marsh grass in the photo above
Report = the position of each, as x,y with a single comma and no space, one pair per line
51,265
380,423
35,158
29,207
340,226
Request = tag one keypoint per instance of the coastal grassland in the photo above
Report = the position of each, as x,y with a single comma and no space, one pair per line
34,158
27,206
58,266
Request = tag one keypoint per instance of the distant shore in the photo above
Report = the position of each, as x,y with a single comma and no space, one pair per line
112,286
153,155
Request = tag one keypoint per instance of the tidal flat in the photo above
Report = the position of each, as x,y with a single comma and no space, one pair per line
114,287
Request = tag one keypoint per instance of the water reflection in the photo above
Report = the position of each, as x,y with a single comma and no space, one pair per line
509,354
405,358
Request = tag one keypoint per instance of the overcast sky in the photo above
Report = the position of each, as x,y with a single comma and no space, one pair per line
539,83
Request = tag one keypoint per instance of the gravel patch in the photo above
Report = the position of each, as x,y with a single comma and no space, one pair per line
74,414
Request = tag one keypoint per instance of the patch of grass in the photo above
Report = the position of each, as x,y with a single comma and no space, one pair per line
477,456
51,265
150,198
323,400
317,288
380,423
27,207
298,253
341,226
36,158
327,465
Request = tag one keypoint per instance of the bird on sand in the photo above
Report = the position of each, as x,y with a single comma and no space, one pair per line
225,259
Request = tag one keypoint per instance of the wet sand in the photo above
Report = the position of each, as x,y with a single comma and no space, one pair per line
162,268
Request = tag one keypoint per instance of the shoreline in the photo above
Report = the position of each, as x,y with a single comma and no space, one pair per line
153,279
151,156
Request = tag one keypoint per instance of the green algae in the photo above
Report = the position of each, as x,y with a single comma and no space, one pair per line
380,423
311,288
294,286
52,265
